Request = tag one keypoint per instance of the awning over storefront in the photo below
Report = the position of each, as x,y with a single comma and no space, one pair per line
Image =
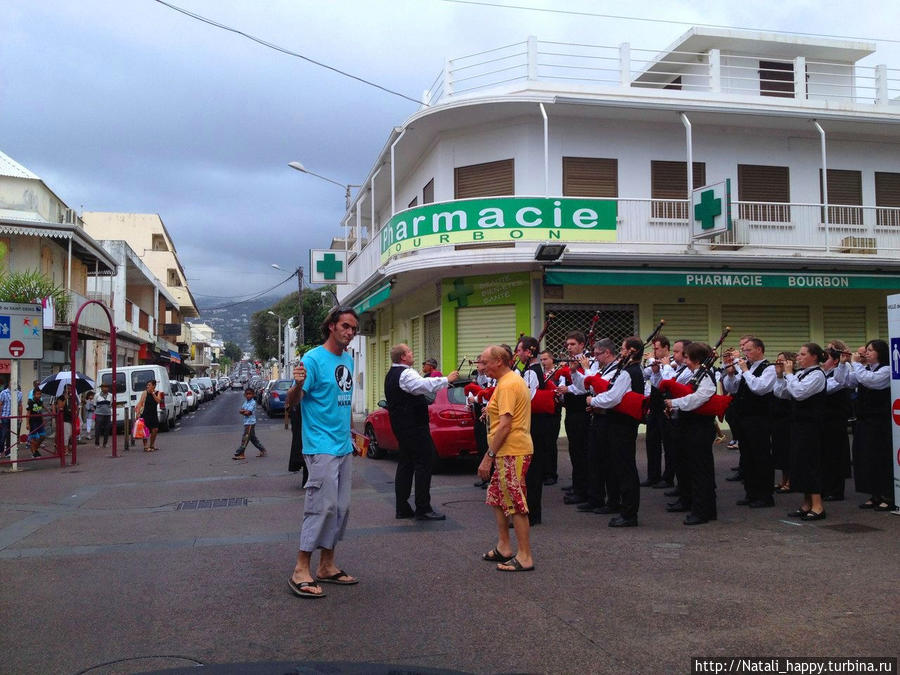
719,279
174,356
374,299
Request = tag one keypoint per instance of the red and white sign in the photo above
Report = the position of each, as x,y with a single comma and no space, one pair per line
895,411
16,348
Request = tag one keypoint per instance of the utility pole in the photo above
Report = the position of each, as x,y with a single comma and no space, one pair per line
301,340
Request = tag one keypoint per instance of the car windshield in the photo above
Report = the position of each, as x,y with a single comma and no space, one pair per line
456,395
282,385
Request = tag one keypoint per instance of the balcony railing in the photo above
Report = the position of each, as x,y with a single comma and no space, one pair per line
92,317
775,229
607,67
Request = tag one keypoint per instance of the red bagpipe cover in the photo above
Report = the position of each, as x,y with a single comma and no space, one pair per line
543,402
632,404
714,407
483,395
565,372
472,388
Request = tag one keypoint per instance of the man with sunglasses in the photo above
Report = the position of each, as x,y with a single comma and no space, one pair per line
326,377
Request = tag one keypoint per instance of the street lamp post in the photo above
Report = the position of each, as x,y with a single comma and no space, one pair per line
299,272
299,167
280,360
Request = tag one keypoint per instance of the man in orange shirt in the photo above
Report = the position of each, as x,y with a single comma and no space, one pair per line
509,445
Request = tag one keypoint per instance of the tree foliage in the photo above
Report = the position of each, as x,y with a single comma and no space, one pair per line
233,351
264,327
32,286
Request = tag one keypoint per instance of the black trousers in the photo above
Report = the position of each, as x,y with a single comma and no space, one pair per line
296,461
836,457
733,418
682,465
102,426
699,432
481,439
544,442
756,450
622,434
550,465
576,431
658,445
598,461
416,458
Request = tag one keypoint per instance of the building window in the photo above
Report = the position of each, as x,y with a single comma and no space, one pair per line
668,182
428,192
887,195
759,183
172,278
845,191
414,202
492,179
776,78
590,177
159,243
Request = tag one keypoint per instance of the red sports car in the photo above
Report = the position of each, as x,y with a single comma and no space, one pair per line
450,421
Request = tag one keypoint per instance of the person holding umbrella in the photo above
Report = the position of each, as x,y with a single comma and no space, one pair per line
148,410
68,405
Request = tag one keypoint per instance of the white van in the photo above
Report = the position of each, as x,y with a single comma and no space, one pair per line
131,382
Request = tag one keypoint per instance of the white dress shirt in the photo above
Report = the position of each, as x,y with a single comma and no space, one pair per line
800,386
413,383
762,385
613,396
665,372
577,386
704,392
853,374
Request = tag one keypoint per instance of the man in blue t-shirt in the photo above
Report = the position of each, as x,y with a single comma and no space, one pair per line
326,376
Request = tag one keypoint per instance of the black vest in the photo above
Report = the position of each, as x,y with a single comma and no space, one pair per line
750,404
873,402
838,407
406,411
811,409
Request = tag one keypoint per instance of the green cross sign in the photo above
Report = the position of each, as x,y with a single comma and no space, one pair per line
329,266
707,210
461,292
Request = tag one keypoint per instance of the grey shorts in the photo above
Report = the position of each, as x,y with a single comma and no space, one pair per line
327,503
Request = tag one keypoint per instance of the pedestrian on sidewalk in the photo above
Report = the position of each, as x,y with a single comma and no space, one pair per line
103,412
326,375
148,410
248,410
37,432
7,412
88,409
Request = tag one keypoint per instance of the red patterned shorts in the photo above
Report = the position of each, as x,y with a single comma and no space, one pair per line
507,488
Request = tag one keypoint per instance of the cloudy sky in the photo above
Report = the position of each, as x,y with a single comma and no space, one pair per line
128,105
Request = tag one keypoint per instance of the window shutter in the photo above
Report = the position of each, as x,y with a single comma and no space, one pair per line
668,180
590,177
414,202
887,193
759,183
781,328
845,323
845,189
478,327
776,79
492,179
683,321
428,192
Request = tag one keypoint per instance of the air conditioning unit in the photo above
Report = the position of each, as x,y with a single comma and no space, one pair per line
859,245
728,241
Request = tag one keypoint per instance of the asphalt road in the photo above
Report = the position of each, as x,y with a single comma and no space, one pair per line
181,557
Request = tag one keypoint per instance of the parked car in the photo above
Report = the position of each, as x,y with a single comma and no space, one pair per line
131,383
190,399
275,396
198,394
206,392
449,419
208,383
178,400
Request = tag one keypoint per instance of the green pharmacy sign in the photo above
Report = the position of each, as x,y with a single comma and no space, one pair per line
500,219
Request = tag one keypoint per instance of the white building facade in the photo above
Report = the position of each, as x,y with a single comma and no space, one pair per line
588,148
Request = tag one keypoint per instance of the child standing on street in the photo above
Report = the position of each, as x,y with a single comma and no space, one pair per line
88,407
248,410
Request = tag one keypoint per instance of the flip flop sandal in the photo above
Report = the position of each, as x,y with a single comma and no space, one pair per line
516,566
497,557
336,579
300,589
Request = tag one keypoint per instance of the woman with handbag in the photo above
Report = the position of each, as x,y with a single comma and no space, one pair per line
148,410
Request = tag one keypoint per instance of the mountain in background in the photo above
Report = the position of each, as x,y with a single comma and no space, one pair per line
232,322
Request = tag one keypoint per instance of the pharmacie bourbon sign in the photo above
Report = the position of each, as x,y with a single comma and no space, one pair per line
500,219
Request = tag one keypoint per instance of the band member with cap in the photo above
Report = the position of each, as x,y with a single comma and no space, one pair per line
622,429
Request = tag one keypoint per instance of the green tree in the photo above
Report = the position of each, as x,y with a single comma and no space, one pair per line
264,327
32,286
233,351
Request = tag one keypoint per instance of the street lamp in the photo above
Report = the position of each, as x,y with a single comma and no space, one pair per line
299,272
299,167
280,364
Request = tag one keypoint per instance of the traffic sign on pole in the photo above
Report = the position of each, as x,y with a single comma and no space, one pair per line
21,331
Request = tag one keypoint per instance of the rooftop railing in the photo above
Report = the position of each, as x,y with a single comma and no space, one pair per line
617,68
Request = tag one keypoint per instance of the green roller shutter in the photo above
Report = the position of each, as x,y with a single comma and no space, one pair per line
845,323
372,374
415,338
882,324
683,321
478,327
781,328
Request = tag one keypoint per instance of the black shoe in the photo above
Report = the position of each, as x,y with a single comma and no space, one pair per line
799,513
743,502
762,503
735,468
648,483
735,478
574,499
675,503
404,513
482,483
678,508
694,520
812,515
431,515
662,484
535,521
568,488
833,498
549,481
619,521
672,493
608,509
587,507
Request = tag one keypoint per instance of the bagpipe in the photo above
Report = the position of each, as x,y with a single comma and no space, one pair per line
632,404
717,403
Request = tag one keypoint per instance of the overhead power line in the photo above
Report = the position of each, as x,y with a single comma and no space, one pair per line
284,50
598,15
254,297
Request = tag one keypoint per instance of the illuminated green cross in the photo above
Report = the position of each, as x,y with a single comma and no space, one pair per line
707,210
461,292
329,266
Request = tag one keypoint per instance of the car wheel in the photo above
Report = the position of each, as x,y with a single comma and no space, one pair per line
164,424
374,452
